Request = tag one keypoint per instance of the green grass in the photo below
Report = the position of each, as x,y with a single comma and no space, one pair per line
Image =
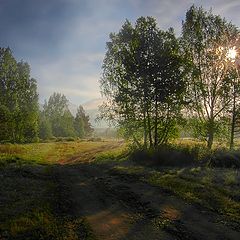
119,154
28,208
203,186
43,153
201,190
29,193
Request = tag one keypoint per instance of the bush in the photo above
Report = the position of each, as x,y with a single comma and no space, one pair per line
188,155
69,139
95,139
65,139
141,156
53,138
169,156
224,159
6,160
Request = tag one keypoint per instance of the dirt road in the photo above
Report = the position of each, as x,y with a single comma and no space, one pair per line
121,206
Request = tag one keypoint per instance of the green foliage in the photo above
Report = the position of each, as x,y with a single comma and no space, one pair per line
19,100
82,124
199,129
223,158
79,126
56,111
165,155
45,128
143,81
5,120
206,40
56,120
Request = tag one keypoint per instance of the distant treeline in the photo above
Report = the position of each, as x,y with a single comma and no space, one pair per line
20,117
57,120
158,85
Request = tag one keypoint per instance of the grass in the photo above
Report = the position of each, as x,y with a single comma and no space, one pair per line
231,178
214,189
202,191
29,192
25,208
43,153
28,208
119,154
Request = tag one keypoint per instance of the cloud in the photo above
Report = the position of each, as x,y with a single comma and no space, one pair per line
64,40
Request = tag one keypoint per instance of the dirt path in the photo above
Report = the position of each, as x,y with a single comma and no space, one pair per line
120,206
89,155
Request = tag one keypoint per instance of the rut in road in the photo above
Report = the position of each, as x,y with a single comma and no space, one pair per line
120,206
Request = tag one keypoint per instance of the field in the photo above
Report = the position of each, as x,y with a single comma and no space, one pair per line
94,190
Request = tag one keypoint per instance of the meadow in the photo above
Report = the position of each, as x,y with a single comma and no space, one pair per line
38,181
30,195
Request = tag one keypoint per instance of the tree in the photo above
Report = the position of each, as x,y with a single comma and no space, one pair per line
8,89
28,110
82,124
143,81
60,117
206,40
235,65
18,98
5,118
45,128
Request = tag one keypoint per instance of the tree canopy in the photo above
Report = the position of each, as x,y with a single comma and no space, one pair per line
57,120
18,100
143,81
206,41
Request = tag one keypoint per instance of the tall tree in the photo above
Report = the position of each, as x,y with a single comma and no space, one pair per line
18,98
206,40
45,127
82,124
59,115
143,81
8,88
28,109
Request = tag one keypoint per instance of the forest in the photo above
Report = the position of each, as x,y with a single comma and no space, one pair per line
158,85
21,120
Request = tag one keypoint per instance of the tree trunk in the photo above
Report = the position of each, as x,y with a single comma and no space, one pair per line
233,120
210,134
136,141
144,128
155,125
149,129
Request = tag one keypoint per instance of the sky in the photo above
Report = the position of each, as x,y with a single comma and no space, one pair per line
64,41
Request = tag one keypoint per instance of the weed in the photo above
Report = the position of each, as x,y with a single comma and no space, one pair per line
230,178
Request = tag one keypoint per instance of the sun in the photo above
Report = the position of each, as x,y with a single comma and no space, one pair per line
232,53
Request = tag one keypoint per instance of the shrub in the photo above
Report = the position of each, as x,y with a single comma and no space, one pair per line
223,158
53,138
166,155
141,156
95,139
69,139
